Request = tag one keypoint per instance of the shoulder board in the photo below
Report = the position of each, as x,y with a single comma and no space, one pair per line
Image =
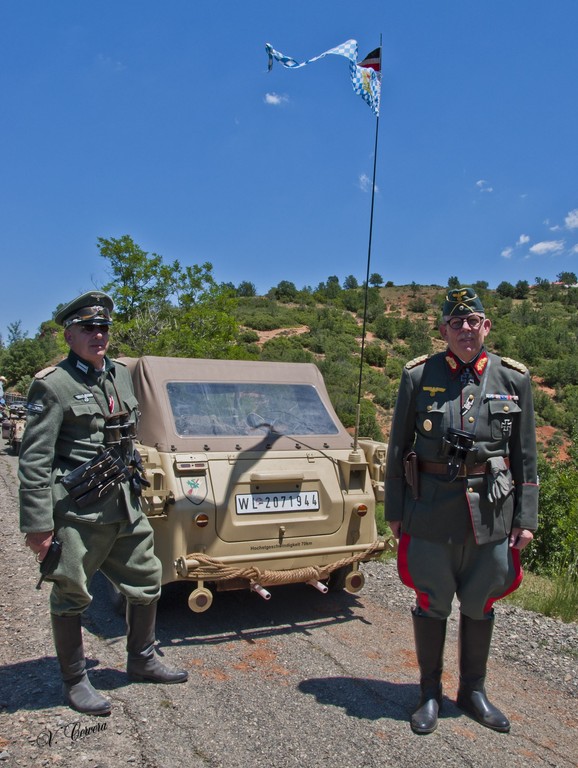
509,363
416,361
45,372
118,361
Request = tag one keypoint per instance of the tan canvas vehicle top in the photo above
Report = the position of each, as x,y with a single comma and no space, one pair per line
254,480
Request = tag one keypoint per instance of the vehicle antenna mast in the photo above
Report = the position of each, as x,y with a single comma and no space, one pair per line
363,331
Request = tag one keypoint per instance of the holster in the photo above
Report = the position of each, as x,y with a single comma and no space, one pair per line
411,472
96,478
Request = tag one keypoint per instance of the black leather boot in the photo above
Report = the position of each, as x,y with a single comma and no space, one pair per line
76,687
475,640
430,635
142,664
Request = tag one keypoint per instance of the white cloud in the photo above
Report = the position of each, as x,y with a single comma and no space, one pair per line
275,99
574,249
547,246
107,64
483,186
508,252
365,183
571,220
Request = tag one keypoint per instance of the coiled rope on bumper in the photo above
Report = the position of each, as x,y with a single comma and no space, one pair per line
212,569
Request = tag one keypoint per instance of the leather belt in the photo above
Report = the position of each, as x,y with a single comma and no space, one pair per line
439,468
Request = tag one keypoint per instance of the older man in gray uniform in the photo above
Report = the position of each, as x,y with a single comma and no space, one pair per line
80,482
461,494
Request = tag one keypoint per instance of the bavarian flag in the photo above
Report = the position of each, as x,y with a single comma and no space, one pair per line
365,76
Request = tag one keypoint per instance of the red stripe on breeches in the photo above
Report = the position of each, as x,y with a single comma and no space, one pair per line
405,575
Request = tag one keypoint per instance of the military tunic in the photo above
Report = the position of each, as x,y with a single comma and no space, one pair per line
491,398
68,405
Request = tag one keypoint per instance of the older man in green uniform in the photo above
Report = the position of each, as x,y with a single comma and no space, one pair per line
80,481
461,495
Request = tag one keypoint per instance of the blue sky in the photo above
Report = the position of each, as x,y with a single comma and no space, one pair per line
158,119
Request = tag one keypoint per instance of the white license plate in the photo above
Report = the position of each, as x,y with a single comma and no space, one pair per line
253,503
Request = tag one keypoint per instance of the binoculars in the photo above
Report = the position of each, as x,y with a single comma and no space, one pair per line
456,444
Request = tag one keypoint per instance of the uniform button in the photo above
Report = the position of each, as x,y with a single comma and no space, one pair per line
471,419
506,407
429,408
470,489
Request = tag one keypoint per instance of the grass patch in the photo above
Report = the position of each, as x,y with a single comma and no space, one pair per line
556,596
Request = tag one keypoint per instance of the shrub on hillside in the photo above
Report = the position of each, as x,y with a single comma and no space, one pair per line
555,544
376,355
284,349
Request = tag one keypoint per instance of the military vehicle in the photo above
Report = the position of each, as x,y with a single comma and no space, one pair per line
14,421
254,482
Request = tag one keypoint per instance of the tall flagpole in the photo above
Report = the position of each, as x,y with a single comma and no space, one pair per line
363,331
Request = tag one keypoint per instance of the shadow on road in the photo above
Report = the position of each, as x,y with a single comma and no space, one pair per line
369,699
35,684
294,608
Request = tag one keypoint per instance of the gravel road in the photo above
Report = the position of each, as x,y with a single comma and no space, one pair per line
302,681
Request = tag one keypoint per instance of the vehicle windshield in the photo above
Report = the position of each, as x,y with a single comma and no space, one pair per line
217,408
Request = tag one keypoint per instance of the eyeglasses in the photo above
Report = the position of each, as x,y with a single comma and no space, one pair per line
92,327
474,322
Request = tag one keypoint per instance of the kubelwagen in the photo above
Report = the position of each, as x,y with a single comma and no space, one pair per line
254,480
14,421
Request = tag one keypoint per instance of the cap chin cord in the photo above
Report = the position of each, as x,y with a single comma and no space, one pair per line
89,315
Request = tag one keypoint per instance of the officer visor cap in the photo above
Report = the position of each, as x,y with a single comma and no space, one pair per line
461,302
93,307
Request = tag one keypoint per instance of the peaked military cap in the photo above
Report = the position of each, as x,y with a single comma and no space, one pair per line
93,307
462,301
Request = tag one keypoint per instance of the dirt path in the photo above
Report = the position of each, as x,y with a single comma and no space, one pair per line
302,681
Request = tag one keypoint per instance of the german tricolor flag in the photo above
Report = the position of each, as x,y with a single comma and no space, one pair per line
372,60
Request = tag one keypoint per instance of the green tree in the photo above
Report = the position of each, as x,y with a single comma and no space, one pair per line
15,332
568,278
165,309
284,291
522,289
375,279
454,282
139,282
350,282
505,289
22,360
246,289
333,289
